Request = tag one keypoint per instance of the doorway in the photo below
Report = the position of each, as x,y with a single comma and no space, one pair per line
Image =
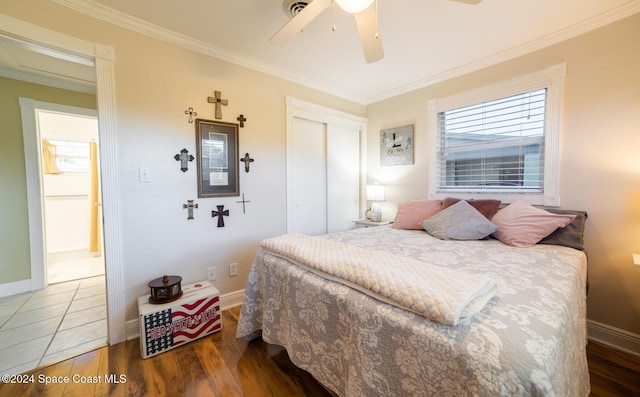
101,58
66,313
70,194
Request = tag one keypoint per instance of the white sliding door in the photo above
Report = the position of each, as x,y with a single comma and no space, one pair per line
343,177
309,177
325,168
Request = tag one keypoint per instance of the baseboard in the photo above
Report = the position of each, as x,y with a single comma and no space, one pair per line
16,287
614,337
227,301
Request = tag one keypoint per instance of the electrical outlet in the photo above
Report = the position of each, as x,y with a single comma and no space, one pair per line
211,273
233,269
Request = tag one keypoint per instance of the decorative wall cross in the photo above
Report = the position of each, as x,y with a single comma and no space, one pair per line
190,206
191,113
219,102
220,213
247,160
184,157
241,119
243,201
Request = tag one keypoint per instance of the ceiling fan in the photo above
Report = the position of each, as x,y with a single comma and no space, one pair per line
365,12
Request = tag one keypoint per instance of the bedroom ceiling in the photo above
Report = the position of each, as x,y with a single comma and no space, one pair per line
425,41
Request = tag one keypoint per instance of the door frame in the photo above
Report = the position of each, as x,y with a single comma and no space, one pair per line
29,111
103,57
310,111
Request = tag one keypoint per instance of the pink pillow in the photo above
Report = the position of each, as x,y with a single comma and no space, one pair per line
411,213
522,225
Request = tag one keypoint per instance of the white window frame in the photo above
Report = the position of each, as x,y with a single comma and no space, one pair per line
552,79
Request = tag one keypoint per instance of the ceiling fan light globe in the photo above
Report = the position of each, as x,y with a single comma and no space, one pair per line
354,6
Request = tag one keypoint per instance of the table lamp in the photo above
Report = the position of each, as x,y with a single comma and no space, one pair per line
375,193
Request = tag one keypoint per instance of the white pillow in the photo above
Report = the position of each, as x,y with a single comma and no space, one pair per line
459,222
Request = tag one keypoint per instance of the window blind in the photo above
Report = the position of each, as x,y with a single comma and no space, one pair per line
496,145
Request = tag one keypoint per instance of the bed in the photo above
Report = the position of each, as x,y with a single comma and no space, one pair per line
528,338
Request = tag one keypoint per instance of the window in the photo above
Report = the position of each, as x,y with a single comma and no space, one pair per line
71,156
495,145
500,141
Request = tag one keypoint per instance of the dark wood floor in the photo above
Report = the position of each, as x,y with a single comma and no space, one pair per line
221,365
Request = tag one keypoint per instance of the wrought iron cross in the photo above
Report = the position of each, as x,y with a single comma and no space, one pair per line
243,202
191,113
184,157
220,213
219,102
247,160
241,119
190,206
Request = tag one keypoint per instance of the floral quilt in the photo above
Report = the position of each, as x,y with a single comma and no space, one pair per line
529,340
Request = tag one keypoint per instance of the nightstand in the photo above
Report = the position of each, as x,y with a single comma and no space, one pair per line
362,223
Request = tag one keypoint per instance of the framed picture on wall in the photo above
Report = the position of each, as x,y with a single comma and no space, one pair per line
396,146
217,156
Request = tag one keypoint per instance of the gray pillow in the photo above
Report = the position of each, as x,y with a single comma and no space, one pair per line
459,222
571,235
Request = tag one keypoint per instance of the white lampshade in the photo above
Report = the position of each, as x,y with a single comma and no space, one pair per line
375,192
354,6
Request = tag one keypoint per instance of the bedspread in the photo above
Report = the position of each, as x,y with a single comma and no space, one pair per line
440,294
529,340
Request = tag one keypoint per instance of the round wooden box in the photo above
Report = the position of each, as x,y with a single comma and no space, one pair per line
165,289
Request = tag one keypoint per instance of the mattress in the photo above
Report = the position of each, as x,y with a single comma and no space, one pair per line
528,340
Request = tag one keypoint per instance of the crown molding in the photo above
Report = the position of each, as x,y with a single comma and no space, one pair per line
626,10
104,13
99,11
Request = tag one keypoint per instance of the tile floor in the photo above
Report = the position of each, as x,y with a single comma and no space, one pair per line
46,326
72,265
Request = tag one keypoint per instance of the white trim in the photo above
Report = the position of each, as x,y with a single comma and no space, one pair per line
15,287
99,11
614,337
551,78
31,147
114,263
106,100
227,301
310,111
57,82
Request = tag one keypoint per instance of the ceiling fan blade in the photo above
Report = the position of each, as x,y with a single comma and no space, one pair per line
297,23
468,1
367,22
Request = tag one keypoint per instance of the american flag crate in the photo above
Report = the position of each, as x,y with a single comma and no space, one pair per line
169,325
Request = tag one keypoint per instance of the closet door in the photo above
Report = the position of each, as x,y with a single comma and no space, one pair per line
325,168
309,177
343,177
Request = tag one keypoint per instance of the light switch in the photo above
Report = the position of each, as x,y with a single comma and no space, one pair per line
636,259
144,174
